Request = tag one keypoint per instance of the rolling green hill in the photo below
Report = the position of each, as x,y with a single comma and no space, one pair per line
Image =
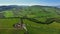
36,13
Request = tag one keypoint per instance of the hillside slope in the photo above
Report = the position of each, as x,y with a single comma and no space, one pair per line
36,13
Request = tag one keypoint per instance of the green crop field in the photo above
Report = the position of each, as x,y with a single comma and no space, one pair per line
6,27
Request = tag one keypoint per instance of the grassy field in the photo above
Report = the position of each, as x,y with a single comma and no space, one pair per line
6,27
40,13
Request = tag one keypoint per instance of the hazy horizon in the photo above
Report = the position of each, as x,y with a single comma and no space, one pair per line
30,2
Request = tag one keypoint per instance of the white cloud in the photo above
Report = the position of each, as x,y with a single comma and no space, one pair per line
22,4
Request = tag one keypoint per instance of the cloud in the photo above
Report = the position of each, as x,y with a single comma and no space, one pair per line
30,2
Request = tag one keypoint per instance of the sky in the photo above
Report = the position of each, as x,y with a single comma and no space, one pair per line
30,2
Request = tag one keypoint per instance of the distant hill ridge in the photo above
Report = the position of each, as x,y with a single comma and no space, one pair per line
30,11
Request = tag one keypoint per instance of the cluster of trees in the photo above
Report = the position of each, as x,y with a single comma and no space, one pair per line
48,21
